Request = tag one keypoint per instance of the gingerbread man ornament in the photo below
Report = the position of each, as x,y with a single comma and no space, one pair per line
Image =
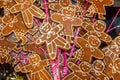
98,70
97,29
113,49
89,48
50,36
36,68
68,20
28,10
79,72
98,6
16,25
112,68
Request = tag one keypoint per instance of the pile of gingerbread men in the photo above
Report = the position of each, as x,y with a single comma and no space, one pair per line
59,39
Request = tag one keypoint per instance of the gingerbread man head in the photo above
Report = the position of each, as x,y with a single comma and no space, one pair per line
85,66
94,41
70,11
34,58
45,28
117,64
99,26
64,3
98,65
117,40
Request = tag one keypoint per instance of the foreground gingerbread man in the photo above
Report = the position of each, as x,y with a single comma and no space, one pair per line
68,20
36,68
98,29
16,25
50,36
113,49
98,70
89,48
79,72
28,10
112,68
98,6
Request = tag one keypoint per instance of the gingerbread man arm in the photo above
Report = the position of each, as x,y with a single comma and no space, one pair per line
57,28
6,30
41,39
105,37
16,8
57,17
98,54
108,60
73,66
108,2
76,22
24,69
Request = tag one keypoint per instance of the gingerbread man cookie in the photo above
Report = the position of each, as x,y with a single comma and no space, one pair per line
98,6
6,46
15,24
98,29
68,20
28,10
98,70
113,49
112,68
79,72
50,36
36,68
89,48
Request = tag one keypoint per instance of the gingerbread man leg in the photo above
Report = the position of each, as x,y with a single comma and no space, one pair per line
101,16
37,12
28,19
8,58
90,11
69,76
69,39
52,50
48,76
24,40
62,43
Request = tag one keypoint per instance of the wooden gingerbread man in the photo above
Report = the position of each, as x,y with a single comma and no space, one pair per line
14,24
36,68
28,10
68,20
50,36
98,6
79,72
98,29
113,49
98,70
89,48
112,68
